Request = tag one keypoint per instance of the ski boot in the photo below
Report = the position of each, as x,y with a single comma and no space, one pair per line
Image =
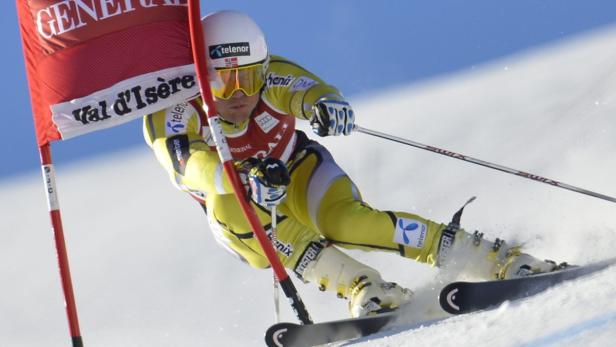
362,285
487,260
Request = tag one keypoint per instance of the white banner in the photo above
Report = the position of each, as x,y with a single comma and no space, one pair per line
130,99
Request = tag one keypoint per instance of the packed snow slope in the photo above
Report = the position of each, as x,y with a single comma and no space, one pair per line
147,272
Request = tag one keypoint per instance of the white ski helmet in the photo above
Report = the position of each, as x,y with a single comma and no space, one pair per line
233,39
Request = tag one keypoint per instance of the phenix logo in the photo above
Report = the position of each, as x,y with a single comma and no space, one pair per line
274,80
285,249
229,50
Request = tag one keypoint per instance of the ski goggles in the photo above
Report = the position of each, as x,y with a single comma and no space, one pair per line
247,79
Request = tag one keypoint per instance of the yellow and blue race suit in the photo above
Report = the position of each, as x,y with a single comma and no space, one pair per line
322,202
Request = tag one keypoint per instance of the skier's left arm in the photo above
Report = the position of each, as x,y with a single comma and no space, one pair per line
294,90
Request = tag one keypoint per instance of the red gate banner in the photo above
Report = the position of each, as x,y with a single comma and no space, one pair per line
94,64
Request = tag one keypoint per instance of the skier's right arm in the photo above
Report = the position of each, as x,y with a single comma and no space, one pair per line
173,135
296,91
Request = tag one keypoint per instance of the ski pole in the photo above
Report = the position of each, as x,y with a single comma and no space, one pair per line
276,291
484,163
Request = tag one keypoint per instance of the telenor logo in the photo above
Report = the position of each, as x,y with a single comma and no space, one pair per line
229,50
410,233
176,128
406,229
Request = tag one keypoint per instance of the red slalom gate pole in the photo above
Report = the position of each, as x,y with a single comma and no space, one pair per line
49,179
198,49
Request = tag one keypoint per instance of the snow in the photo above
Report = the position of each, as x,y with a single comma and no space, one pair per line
147,272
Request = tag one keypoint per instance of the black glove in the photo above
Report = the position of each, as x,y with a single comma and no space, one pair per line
268,180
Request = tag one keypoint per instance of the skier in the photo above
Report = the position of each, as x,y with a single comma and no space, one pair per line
259,96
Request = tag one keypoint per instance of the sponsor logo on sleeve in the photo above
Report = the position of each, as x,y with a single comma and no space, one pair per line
226,50
274,80
303,83
179,151
177,119
410,233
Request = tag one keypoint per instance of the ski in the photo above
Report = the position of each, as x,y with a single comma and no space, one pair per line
466,297
455,298
296,335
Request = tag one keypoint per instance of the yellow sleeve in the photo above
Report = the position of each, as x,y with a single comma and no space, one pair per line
293,90
173,135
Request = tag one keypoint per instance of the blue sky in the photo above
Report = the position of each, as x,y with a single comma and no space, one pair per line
359,46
